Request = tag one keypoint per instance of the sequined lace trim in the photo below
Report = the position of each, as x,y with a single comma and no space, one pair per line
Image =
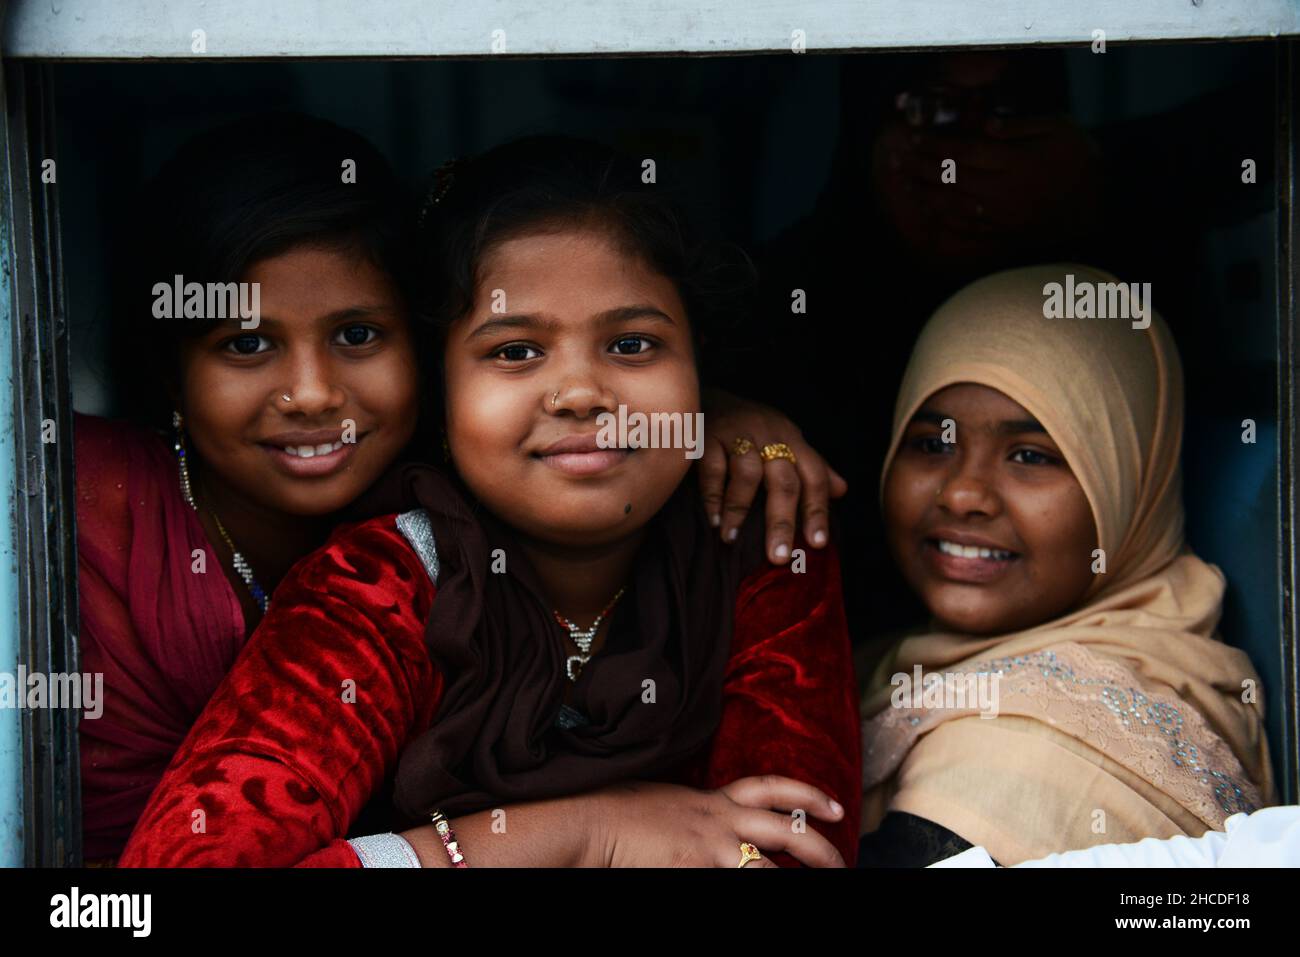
1161,739
384,850
418,530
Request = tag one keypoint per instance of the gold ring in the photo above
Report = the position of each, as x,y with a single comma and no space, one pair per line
741,446
777,450
748,852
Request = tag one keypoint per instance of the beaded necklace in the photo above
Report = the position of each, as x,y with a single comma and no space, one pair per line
242,568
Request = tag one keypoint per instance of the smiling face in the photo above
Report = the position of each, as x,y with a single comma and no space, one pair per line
334,338
993,531
587,327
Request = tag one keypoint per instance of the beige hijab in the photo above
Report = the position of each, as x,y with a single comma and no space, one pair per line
1126,717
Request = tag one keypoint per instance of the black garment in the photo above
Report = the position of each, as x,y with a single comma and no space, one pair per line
905,840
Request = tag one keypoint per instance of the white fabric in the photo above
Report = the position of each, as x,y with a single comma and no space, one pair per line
971,857
1266,838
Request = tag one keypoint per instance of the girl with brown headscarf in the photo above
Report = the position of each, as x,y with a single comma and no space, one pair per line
1117,711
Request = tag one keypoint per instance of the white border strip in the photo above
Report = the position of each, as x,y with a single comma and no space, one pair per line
140,29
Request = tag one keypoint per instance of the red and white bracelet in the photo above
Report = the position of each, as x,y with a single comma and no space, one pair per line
448,838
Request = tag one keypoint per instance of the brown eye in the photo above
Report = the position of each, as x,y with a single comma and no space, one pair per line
932,445
358,335
632,345
516,352
247,345
1033,457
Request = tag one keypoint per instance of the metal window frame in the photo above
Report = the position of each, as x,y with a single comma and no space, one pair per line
1288,268
44,520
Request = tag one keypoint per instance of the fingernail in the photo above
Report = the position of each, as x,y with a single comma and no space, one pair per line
715,519
819,537
835,808
731,535
782,552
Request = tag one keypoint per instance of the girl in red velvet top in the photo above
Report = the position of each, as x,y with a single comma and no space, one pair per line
176,563
550,655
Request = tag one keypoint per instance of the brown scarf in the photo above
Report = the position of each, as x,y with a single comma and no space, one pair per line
494,739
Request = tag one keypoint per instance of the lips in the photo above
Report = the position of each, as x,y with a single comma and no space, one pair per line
581,455
972,551
588,442
308,451
587,463
967,559
310,454
304,439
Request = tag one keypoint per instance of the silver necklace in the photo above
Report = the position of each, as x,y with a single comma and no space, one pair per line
583,637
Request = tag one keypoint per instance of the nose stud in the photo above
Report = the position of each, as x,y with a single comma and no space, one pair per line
287,397
555,398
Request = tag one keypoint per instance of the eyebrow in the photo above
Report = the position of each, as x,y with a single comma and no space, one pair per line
1007,426
268,321
610,317
338,315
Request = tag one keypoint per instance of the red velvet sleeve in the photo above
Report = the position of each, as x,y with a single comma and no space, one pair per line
790,703
303,730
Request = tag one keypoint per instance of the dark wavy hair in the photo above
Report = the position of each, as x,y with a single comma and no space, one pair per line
551,183
231,197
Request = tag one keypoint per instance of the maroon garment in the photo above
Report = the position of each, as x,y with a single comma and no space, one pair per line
337,680
162,634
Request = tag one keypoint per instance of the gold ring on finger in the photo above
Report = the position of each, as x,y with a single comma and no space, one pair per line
748,852
741,446
777,450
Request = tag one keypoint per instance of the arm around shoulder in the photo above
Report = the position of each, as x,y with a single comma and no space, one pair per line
301,733
789,695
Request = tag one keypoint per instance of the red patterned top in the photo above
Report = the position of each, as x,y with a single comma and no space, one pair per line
282,761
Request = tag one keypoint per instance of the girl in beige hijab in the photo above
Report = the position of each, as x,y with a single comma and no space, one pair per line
1072,688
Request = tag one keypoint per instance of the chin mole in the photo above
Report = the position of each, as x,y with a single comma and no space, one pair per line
627,509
